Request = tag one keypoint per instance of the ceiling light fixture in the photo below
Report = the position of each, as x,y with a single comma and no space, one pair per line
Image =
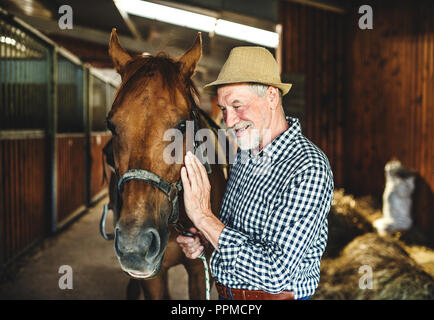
200,22
247,33
168,14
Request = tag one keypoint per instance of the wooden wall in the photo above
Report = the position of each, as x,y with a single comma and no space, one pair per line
313,44
390,105
369,93
71,174
23,218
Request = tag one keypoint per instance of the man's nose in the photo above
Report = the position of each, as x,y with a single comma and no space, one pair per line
231,118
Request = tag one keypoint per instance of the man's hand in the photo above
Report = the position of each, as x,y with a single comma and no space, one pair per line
197,203
192,247
196,187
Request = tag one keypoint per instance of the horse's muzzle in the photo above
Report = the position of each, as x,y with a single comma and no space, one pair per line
139,253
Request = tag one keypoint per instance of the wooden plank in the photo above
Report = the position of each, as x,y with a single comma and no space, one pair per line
71,175
22,195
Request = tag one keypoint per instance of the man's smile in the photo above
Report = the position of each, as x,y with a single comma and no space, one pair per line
241,131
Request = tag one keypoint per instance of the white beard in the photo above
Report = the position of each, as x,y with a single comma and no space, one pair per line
250,140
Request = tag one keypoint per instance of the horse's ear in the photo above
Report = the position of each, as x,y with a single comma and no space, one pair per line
119,55
191,58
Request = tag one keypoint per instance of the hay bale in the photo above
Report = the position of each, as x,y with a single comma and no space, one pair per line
395,275
347,219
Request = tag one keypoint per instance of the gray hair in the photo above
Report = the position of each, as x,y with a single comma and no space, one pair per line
258,88
261,89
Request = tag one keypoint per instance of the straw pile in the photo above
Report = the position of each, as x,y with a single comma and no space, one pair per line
353,244
395,275
347,220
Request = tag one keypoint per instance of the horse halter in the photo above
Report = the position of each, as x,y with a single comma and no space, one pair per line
171,190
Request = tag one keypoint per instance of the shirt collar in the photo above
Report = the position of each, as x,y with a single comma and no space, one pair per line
282,142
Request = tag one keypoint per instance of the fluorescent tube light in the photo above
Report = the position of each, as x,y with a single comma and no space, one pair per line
168,14
246,33
199,22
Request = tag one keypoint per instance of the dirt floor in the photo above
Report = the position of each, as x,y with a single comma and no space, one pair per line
96,271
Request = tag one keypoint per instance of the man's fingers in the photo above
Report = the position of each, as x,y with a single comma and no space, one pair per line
191,173
194,165
193,254
202,171
185,181
197,252
190,242
193,230
184,240
192,247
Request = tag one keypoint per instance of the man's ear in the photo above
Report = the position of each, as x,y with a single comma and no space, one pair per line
119,55
273,97
190,59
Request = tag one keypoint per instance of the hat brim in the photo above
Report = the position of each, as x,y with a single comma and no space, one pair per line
211,88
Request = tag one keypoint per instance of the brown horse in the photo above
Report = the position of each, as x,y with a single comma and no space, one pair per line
156,94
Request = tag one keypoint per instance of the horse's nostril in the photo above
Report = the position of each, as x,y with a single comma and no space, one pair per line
152,242
116,243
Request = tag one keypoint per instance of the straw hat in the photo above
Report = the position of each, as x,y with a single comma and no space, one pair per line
249,64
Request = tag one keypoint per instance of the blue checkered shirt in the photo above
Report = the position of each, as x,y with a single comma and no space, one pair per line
275,214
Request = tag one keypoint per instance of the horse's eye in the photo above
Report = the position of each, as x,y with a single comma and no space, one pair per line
182,126
111,126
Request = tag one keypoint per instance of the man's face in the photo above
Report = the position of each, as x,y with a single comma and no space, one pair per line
244,112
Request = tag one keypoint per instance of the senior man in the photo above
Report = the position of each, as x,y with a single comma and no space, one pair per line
272,227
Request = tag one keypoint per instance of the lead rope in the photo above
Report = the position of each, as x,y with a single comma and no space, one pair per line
207,284
181,230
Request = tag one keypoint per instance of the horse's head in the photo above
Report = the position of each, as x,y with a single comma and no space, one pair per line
155,95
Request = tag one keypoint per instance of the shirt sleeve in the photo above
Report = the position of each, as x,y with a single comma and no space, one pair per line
295,221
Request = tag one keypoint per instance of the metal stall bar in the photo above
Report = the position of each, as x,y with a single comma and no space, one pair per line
71,140
51,141
87,131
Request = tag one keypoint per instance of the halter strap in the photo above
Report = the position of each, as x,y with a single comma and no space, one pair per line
148,176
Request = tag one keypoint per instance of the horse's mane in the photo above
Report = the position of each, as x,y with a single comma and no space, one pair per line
144,67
